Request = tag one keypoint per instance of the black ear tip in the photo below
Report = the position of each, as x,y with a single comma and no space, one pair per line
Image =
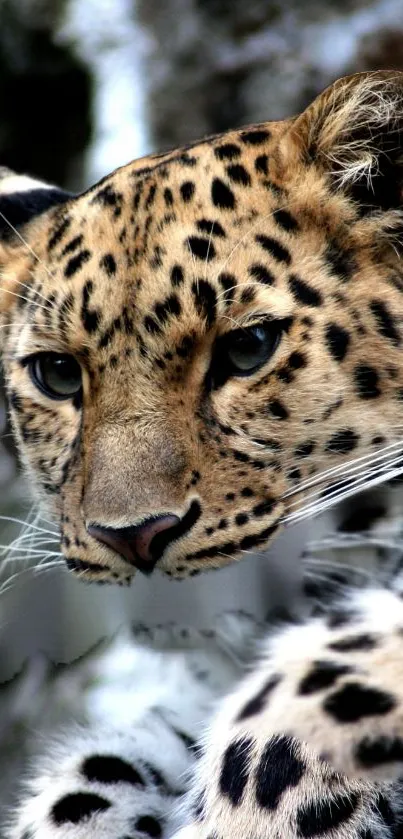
22,198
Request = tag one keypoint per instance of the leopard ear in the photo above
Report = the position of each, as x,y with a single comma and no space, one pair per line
22,199
354,132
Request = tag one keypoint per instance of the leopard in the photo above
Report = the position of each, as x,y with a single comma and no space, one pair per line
199,350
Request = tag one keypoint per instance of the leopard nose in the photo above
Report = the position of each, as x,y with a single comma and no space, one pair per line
139,545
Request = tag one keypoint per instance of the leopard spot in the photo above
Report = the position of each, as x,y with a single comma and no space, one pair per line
322,675
326,814
354,701
78,806
259,701
109,769
235,769
279,769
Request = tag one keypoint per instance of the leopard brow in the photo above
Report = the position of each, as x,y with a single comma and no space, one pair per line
256,319
249,232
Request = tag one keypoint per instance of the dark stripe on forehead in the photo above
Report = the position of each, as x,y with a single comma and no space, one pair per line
221,195
187,190
205,298
201,248
228,283
262,274
274,248
238,174
255,136
304,293
76,262
212,228
58,233
385,322
285,220
108,264
170,307
228,151
72,245
177,275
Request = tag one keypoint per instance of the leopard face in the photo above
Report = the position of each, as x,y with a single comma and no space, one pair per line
203,335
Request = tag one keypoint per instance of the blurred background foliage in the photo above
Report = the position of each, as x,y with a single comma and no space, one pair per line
87,85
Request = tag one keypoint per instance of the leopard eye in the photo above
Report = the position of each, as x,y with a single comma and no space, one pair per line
242,351
57,376
247,349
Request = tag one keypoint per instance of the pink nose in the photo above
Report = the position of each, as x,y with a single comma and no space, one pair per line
141,545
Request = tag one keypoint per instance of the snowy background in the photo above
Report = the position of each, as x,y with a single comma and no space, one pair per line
87,85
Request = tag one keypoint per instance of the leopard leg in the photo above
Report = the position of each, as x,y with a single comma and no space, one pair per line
277,786
312,740
98,782
339,686
110,784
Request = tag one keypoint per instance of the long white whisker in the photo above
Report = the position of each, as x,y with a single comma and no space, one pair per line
346,467
341,541
208,251
9,582
50,566
27,300
352,479
36,535
30,552
313,510
242,239
24,242
26,524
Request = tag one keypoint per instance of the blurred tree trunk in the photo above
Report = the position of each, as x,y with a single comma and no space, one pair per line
45,126
45,94
217,64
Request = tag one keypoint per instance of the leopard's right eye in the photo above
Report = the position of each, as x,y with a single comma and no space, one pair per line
56,375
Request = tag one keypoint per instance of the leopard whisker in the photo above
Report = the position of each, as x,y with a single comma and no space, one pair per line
21,553
15,520
25,243
206,261
7,325
248,233
319,568
362,539
48,562
246,284
346,467
27,300
314,509
10,581
352,476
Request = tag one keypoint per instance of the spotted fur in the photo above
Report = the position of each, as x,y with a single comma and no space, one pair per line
143,280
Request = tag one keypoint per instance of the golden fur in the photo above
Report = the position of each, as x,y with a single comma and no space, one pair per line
295,223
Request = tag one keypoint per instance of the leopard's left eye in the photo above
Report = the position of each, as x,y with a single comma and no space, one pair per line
247,349
242,351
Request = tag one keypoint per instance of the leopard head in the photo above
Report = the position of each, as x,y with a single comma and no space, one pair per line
207,343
